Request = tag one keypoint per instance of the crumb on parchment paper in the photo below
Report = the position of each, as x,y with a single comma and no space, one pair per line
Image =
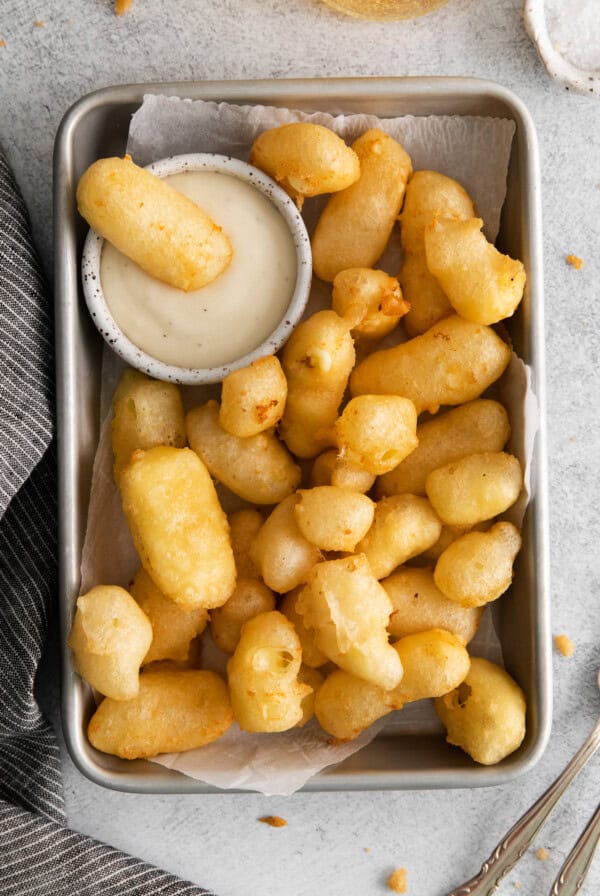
397,881
121,6
574,261
542,854
517,884
564,645
275,821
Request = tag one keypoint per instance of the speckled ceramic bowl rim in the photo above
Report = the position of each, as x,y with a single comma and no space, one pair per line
559,68
131,353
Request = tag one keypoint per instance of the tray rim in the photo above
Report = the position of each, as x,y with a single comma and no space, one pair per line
67,292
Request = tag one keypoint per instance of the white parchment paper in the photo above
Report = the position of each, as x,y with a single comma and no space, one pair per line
475,151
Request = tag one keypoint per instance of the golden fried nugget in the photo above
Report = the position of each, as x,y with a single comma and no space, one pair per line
485,715
281,552
474,427
429,196
253,399
453,362
482,284
178,526
306,159
356,224
109,639
317,361
259,468
371,300
334,519
121,6
266,692
475,488
436,662
376,432
314,679
349,611
154,225
173,628
147,413
403,527
478,567
249,598
175,710
419,605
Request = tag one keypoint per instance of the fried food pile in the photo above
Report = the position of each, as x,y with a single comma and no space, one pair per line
374,482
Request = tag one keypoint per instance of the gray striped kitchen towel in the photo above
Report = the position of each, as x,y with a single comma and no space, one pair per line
38,854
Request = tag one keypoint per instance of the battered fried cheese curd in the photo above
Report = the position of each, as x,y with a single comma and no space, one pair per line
453,362
403,527
175,710
419,605
472,428
434,663
333,519
109,639
317,361
257,468
475,488
429,196
376,432
160,229
253,398
356,223
485,715
146,413
349,611
305,159
371,300
482,284
173,628
178,526
250,598
263,673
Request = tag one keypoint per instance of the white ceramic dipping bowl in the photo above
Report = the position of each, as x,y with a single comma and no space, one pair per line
131,353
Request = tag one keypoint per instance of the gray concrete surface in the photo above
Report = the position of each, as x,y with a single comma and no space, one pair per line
345,844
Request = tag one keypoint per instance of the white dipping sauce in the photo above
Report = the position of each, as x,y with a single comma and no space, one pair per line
232,315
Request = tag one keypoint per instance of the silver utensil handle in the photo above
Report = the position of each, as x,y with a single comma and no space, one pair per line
572,874
518,839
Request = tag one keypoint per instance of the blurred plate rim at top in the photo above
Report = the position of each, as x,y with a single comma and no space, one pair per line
97,125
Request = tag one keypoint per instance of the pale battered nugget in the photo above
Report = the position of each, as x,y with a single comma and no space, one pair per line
173,628
258,468
178,526
147,413
154,225
356,223
175,710
306,159
453,362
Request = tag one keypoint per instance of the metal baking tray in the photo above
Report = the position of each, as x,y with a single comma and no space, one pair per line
96,126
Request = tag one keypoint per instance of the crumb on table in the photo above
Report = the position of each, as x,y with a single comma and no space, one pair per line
397,880
121,6
38,23
275,821
367,848
542,854
564,644
518,884
2,43
574,261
